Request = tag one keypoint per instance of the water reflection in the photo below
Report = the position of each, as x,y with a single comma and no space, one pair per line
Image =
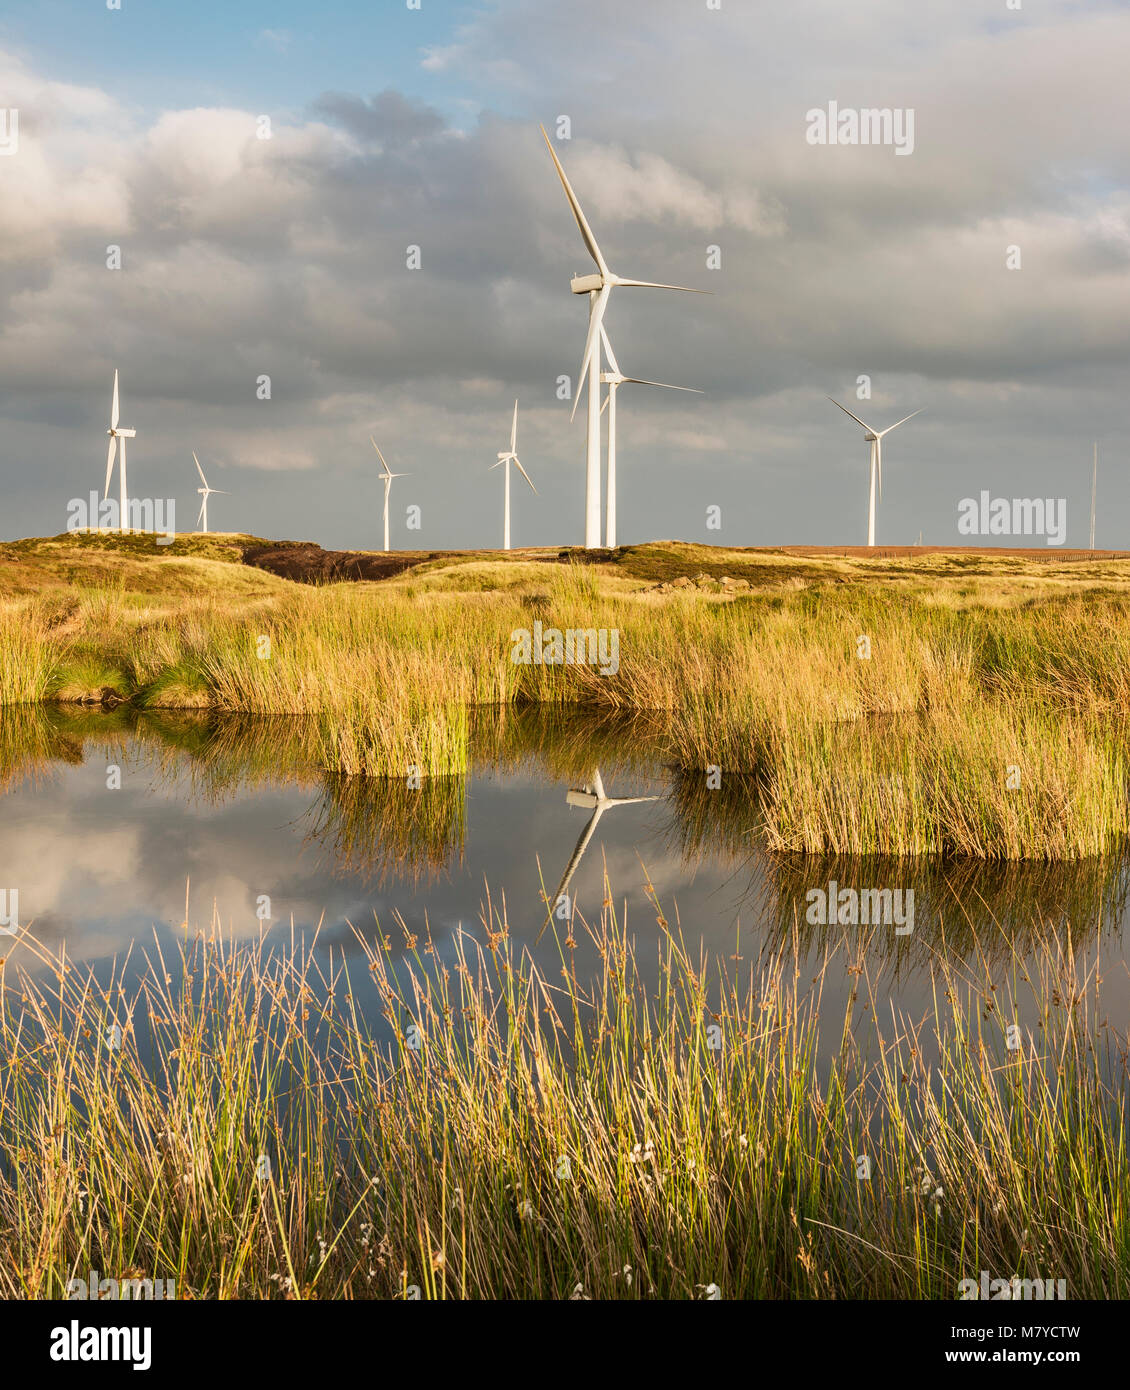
234,809
592,797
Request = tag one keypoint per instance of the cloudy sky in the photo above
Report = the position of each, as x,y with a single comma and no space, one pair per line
393,127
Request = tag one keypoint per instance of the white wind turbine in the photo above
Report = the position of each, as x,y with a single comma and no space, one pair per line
614,379
598,287
205,493
505,457
1094,491
386,477
115,434
875,439
592,797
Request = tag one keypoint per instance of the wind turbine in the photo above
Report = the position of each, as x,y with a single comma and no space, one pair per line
614,379
205,493
875,439
598,287
115,434
592,797
504,458
1094,490
387,478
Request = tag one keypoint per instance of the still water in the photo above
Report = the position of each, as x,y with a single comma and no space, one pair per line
218,821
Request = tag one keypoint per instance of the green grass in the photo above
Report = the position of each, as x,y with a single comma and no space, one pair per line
988,720
523,1135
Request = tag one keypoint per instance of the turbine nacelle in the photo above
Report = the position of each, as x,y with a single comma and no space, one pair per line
588,284
588,800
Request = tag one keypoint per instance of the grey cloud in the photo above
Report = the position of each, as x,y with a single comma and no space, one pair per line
287,257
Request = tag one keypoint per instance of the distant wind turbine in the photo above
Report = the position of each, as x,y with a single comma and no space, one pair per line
614,379
205,493
592,797
598,288
115,434
505,458
386,477
875,439
1094,491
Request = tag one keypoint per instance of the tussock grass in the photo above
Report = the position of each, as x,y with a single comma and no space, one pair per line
27,655
381,827
515,1135
905,751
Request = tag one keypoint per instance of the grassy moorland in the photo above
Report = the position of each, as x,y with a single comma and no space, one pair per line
517,1135
521,1133
987,720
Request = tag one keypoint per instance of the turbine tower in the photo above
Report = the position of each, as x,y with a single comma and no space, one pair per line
875,439
386,477
598,287
505,457
1094,491
115,434
205,493
614,379
592,797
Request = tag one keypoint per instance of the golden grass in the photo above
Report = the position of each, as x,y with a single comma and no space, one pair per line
987,719
516,1135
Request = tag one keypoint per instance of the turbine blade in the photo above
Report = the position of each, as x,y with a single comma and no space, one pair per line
203,505
518,465
514,430
199,470
608,350
591,342
597,784
654,285
571,868
110,464
114,406
640,381
856,418
381,456
607,398
897,423
586,231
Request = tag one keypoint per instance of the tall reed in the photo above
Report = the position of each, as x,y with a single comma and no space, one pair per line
514,1134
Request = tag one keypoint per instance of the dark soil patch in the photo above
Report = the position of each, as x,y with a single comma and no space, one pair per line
307,563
